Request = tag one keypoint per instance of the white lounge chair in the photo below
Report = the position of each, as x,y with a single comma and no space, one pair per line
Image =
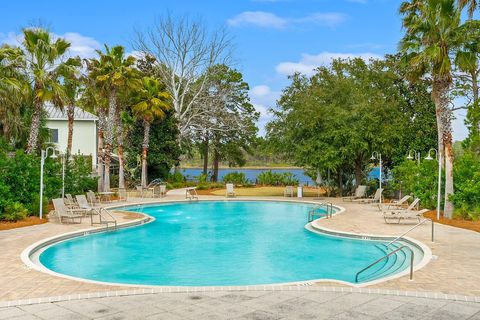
230,192
69,201
288,192
399,204
159,191
62,212
405,215
376,198
191,193
402,213
359,194
83,204
122,195
92,198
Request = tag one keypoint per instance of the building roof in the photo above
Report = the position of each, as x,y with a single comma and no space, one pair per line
54,113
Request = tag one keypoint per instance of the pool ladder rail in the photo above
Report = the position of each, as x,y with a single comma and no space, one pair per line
399,238
315,214
105,218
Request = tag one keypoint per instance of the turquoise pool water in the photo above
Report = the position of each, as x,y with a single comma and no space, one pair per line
218,243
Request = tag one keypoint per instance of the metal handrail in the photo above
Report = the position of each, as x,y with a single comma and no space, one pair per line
385,257
412,228
328,214
105,221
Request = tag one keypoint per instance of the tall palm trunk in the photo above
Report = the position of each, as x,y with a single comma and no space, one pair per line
146,139
121,170
440,88
70,118
109,133
32,143
100,149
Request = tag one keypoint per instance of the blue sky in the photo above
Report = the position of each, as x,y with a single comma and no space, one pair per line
272,38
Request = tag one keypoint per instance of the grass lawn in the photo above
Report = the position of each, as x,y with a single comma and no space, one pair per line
262,191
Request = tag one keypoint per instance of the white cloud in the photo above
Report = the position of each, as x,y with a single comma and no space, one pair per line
308,63
263,98
258,18
80,45
270,20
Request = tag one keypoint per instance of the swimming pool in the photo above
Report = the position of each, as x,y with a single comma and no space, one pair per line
212,243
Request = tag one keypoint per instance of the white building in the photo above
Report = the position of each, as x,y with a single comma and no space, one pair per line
84,140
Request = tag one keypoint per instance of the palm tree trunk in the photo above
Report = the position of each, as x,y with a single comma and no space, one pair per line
146,138
70,117
100,149
440,88
121,170
205,154
32,143
109,133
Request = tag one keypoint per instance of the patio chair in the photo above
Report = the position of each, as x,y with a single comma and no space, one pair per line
399,204
191,193
404,215
63,212
93,199
160,191
376,198
83,204
69,201
288,192
122,195
230,192
140,191
395,213
360,193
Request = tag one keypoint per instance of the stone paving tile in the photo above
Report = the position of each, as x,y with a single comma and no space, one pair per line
8,313
260,315
88,308
378,306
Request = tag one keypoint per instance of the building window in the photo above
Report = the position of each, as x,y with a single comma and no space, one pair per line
54,135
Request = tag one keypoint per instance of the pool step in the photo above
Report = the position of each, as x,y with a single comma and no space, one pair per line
391,265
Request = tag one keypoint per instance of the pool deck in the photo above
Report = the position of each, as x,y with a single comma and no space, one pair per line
452,271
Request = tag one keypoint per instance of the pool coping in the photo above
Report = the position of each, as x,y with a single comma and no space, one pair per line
34,250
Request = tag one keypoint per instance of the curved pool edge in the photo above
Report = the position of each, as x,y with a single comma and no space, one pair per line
36,248
427,252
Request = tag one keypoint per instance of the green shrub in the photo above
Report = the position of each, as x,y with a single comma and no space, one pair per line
14,211
235,177
176,177
466,198
417,180
276,178
78,177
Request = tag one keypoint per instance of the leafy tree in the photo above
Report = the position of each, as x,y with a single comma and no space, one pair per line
151,102
228,121
331,122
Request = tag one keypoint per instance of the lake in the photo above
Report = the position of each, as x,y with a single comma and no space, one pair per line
251,174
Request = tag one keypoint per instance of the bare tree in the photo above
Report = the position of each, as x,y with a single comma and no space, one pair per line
185,51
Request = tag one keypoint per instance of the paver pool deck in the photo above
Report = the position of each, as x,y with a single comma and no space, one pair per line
452,271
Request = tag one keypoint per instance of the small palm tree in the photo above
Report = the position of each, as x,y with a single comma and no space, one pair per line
151,102
471,6
42,54
70,73
434,34
113,72
14,90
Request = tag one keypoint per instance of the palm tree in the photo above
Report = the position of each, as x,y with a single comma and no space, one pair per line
71,84
468,61
113,72
13,91
471,6
151,102
42,54
434,36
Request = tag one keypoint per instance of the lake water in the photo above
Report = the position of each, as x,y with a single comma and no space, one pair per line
251,174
